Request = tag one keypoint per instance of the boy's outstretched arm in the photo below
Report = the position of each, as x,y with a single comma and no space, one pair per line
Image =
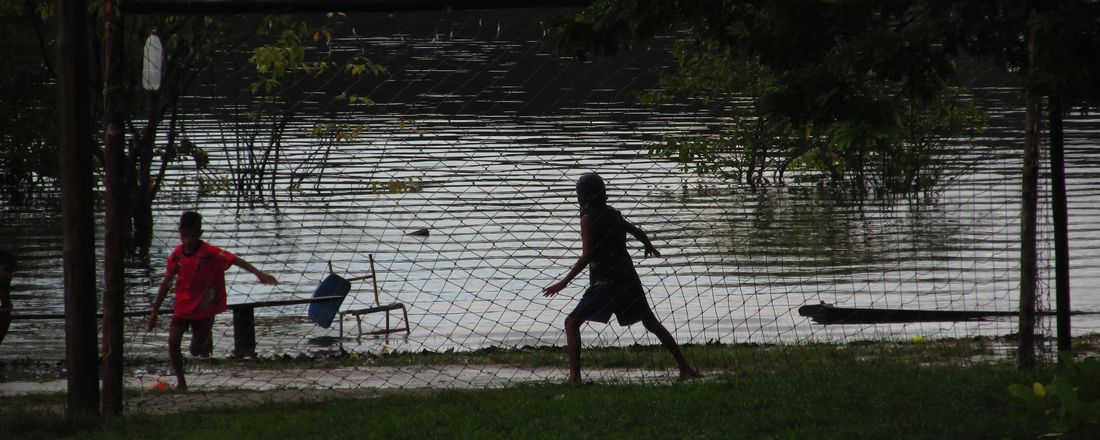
642,237
582,261
165,284
260,275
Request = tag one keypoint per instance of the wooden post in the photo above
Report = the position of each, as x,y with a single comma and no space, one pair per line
1061,224
1029,267
244,332
77,208
114,183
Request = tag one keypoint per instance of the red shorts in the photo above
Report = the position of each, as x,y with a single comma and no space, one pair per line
202,340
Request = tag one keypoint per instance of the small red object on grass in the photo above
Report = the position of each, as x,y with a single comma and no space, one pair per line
159,385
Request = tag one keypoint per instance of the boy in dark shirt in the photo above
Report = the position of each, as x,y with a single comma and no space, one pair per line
199,269
615,287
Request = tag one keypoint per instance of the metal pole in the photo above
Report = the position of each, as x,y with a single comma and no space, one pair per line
77,209
1061,223
116,219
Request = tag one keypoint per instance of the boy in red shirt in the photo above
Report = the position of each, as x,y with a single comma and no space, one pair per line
200,291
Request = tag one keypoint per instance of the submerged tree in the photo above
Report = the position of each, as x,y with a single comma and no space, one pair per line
28,150
287,52
846,74
288,60
857,93
287,73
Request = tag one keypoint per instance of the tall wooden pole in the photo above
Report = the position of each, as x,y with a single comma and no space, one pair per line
1029,256
116,222
1061,224
77,208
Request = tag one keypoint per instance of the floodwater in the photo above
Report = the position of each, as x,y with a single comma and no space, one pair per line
479,135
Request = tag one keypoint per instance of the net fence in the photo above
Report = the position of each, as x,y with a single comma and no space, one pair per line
457,178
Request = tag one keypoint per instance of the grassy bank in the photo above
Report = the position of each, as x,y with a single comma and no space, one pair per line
707,357
854,397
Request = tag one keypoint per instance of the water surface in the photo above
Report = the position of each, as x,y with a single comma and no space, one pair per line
489,132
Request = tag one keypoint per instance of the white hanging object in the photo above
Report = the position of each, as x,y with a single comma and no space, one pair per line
152,64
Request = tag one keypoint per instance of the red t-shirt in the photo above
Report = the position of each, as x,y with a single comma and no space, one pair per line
200,281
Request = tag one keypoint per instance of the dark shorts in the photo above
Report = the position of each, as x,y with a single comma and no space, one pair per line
202,338
625,298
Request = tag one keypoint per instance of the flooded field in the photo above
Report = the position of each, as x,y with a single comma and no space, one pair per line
479,136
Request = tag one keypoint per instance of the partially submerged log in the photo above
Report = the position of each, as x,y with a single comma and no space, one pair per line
829,314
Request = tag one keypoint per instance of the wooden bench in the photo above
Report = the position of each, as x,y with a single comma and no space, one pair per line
244,321
244,315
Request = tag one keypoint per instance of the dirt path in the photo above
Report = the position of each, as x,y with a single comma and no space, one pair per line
232,388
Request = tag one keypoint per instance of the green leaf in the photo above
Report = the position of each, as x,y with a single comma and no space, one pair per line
1020,391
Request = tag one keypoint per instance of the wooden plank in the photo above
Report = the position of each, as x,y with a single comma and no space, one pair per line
285,302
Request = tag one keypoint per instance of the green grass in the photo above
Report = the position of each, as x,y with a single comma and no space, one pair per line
707,357
851,400
710,357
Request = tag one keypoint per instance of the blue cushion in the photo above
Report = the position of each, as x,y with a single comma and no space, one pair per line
323,312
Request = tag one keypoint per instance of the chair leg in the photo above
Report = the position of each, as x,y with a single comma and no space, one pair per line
405,312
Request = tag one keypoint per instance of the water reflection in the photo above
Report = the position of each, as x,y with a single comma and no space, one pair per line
492,135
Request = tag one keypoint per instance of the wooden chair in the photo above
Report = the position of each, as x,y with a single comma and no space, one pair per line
377,308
